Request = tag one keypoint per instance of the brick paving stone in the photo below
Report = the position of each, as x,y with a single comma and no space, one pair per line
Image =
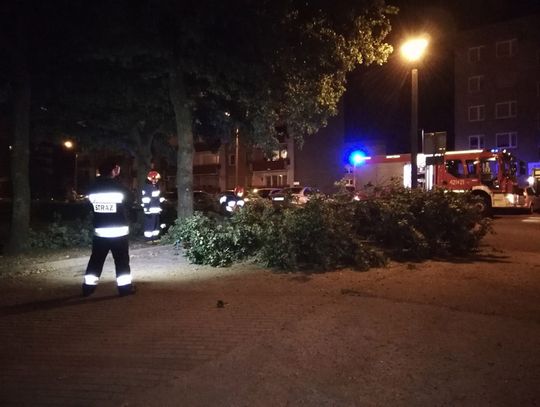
59,349
170,339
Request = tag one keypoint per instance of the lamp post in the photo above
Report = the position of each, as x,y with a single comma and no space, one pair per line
413,50
71,145
237,152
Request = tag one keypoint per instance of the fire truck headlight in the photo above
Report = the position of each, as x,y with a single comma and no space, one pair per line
530,181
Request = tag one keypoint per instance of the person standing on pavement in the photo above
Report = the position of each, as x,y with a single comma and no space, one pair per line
109,201
151,202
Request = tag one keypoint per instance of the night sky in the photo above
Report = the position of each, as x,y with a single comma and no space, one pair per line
377,103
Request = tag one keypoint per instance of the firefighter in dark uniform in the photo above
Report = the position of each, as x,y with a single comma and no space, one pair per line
151,202
109,201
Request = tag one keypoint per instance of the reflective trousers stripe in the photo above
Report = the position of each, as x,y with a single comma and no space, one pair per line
122,280
90,279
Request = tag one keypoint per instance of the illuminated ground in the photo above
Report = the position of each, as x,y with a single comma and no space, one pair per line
436,333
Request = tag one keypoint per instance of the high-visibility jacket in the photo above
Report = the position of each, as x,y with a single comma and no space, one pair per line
151,199
109,201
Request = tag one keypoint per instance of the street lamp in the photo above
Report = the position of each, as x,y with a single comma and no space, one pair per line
413,51
71,145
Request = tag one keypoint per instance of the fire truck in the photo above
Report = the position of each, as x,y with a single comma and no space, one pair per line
492,175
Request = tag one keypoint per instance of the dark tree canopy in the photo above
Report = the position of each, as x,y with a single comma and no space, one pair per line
126,71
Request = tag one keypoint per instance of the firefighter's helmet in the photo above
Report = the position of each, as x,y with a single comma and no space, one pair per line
153,176
239,191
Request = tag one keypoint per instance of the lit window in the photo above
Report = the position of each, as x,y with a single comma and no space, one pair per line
504,110
475,53
476,141
477,113
475,83
505,49
506,140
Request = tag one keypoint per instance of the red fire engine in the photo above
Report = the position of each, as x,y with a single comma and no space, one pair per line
491,175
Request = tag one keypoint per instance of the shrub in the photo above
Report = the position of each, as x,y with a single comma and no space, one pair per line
60,234
212,241
416,224
338,232
317,235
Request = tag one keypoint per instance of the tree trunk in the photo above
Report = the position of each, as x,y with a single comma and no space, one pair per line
20,212
184,134
142,156
142,163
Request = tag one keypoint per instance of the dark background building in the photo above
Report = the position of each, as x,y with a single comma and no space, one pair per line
497,88
378,99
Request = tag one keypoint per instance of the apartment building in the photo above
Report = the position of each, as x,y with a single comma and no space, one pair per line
318,163
497,88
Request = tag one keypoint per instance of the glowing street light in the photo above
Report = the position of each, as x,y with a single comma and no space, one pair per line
413,50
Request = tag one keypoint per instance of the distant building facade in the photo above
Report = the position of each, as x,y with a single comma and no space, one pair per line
322,159
318,163
497,88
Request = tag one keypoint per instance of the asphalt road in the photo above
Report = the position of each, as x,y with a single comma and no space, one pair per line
516,232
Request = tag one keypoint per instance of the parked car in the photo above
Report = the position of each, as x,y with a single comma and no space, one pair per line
296,195
532,198
265,193
202,201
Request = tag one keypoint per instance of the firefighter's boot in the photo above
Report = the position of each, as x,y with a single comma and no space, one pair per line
125,290
88,290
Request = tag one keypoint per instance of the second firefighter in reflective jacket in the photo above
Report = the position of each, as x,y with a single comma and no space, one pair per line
151,202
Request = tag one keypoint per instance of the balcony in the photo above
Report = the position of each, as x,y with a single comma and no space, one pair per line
206,169
270,165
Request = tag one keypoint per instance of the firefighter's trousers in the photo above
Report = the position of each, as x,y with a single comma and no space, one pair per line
119,246
151,226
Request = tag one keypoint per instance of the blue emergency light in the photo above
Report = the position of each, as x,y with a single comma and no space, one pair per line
357,157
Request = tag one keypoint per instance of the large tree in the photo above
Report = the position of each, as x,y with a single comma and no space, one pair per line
111,105
31,34
247,64
268,63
